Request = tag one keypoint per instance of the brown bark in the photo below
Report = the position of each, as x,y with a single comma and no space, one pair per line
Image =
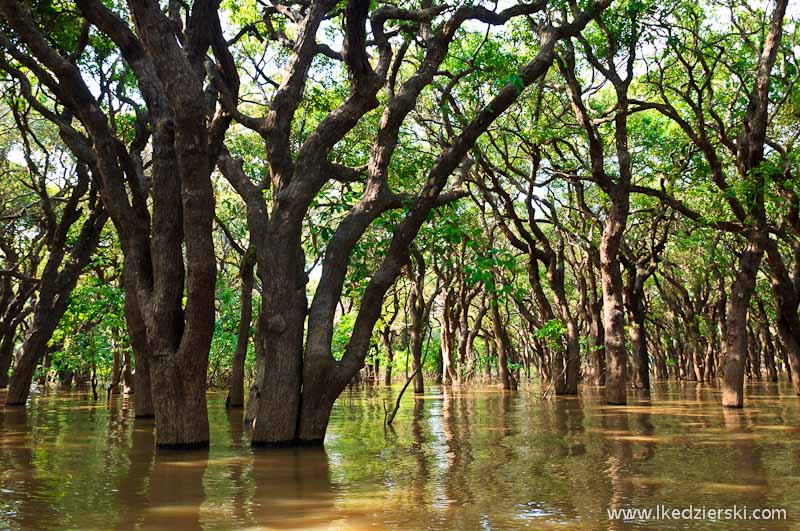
116,368
501,346
170,78
235,397
613,309
735,340
386,338
142,389
787,302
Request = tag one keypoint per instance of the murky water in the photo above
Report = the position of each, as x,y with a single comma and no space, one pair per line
456,460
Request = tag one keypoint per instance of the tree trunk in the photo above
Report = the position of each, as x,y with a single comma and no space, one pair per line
598,343
567,367
735,341
127,376
641,359
502,349
116,367
6,357
180,403
637,331
448,342
142,388
386,337
613,306
754,354
787,300
416,339
235,397
279,349
31,352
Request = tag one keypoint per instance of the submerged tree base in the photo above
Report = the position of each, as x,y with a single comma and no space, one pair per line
198,445
296,443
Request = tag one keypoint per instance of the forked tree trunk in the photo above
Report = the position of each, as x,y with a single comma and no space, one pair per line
299,388
749,158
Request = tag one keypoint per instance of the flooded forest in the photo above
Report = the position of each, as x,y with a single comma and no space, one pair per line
409,265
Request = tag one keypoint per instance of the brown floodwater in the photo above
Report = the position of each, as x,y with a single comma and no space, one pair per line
461,459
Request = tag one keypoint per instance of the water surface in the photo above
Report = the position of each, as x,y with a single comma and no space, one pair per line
457,459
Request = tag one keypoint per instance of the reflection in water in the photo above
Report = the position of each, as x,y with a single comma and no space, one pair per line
466,458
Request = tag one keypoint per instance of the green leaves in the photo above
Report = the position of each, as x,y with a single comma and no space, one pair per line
516,81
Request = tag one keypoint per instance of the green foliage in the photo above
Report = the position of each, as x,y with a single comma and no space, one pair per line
552,332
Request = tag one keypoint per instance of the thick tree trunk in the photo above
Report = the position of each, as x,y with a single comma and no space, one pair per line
180,403
235,397
735,341
279,349
318,398
613,306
